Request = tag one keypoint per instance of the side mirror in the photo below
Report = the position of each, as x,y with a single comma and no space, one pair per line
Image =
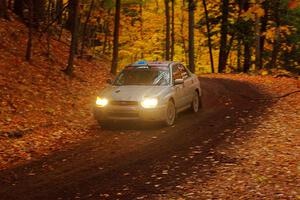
109,81
178,81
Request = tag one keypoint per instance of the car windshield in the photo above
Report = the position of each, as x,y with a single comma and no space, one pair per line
144,75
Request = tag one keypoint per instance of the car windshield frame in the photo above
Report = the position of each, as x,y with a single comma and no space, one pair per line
145,68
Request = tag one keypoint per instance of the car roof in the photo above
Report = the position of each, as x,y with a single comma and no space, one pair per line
151,63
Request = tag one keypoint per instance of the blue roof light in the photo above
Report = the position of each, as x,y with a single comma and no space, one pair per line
142,62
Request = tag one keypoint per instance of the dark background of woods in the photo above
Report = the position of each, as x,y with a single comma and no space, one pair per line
245,36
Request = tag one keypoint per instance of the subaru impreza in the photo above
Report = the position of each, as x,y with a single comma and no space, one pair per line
149,91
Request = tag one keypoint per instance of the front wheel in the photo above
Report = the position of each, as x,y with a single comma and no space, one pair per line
171,114
196,103
104,124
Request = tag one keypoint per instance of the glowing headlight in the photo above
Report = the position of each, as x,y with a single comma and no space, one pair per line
149,103
101,102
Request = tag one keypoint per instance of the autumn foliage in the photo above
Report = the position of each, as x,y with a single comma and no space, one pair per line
228,35
42,110
37,98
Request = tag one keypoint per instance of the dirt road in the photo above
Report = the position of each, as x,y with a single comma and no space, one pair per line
138,161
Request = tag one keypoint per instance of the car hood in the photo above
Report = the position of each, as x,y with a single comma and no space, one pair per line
132,93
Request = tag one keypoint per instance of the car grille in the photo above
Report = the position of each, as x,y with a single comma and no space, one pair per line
124,114
124,103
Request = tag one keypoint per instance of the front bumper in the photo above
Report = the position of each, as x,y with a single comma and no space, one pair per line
116,112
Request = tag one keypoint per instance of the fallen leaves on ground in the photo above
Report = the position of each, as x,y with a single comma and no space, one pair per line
42,109
266,162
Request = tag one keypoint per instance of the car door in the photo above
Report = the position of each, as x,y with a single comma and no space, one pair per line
179,89
187,86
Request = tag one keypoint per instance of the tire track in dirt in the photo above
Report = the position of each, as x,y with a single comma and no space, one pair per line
131,161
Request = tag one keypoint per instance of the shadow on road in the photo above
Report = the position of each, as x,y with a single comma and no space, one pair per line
157,166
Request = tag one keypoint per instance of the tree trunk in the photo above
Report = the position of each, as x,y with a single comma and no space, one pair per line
48,20
247,56
10,4
184,52
192,7
39,10
58,10
247,40
224,31
208,37
52,10
239,55
3,9
18,8
240,37
114,65
258,44
173,30
30,27
74,5
70,20
276,44
141,28
167,15
38,6
84,38
229,46
263,29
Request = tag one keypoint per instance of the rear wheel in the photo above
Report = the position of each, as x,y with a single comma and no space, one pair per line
196,103
171,114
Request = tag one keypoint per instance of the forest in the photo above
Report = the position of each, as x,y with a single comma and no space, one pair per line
238,138
209,36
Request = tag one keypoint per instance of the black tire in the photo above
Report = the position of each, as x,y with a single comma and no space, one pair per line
104,124
171,114
196,104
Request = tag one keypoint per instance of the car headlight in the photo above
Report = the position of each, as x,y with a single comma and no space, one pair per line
149,103
101,102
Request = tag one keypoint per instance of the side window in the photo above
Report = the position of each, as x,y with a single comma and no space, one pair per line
184,73
176,73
